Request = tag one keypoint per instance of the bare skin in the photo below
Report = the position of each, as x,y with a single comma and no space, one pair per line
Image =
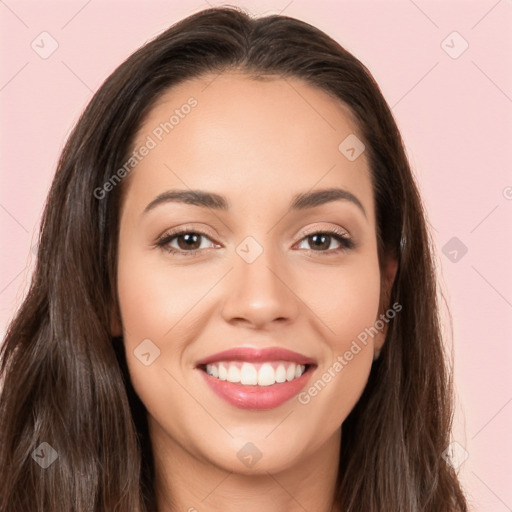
258,143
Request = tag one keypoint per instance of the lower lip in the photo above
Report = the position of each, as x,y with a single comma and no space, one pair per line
257,397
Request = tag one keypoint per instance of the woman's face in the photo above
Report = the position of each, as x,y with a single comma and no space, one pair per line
261,270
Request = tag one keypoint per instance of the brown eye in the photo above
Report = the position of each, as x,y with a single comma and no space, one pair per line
189,241
322,241
184,242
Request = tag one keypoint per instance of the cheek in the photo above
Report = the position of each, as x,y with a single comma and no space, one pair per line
356,303
155,298
347,305
345,299
162,309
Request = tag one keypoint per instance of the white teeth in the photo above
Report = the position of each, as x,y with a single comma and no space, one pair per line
266,375
223,373
212,370
248,374
233,373
280,373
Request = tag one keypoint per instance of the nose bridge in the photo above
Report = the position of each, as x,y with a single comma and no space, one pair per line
258,292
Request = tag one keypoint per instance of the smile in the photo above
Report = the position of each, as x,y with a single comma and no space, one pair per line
258,379
256,374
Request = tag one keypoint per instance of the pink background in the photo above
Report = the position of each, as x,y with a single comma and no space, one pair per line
455,115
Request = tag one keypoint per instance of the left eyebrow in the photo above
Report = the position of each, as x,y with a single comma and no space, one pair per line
215,201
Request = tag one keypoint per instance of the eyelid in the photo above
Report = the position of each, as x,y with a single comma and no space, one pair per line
336,229
186,229
206,232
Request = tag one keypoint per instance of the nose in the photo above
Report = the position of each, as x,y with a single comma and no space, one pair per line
260,294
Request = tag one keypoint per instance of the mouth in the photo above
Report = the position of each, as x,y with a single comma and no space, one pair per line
255,374
256,378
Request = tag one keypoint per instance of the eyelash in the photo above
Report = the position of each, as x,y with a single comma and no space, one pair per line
340,236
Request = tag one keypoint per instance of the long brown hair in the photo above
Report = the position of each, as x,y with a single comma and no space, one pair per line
64,377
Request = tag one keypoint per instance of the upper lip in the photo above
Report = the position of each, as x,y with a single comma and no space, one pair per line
257,355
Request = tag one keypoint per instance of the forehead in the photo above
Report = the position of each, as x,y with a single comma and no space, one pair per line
275,136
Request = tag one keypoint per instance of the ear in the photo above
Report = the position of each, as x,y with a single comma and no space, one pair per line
116,328
388,274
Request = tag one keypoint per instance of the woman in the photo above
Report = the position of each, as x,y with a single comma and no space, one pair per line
234,304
